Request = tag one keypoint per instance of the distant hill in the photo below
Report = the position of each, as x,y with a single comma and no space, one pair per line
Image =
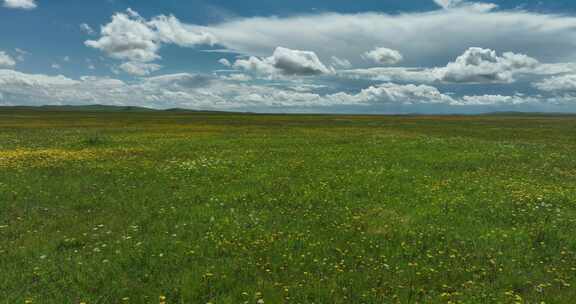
108,109
82,108
514,113
135,109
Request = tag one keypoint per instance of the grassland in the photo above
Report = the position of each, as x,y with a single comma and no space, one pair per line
167,207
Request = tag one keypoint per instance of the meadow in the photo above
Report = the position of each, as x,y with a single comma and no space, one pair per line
173,207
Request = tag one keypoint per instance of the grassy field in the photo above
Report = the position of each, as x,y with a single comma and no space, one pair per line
164,207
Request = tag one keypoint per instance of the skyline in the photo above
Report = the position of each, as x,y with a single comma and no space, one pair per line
422,56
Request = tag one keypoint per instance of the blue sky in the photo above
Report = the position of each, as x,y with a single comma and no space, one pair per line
394,56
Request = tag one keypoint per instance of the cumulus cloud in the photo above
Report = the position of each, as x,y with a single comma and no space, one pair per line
256,65
475,65
558,83
395,93
214,93
435,52
31,89
130,36
285,61
14,81
164,91
127,37
479,65
295,62
225,62
6,60
170,30
139,68
496,100
20,4
421,37
383,56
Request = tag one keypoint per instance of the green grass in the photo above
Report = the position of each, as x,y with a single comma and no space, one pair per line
223,208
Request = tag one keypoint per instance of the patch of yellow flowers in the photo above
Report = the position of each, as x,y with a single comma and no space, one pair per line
21,158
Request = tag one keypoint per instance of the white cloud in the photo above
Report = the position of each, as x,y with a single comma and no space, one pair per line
479,65
394,93
383,56
401,74
20,4
170,30
129,36
13,81
165,91
295,62
6,60
225,62
87,29
445,4
475,65
236,77
285,61
558,83
495,100
423,38
207,92
139,68
434,46
256,65
56,66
